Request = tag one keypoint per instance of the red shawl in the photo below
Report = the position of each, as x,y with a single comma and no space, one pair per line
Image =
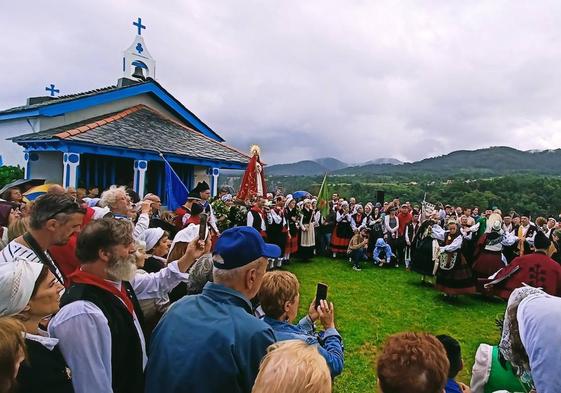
81,277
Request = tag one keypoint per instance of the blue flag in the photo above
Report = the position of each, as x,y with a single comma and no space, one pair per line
176,191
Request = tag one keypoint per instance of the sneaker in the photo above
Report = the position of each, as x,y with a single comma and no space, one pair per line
334,255
357,269
381,264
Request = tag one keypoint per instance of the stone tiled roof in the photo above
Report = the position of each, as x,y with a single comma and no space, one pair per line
140,128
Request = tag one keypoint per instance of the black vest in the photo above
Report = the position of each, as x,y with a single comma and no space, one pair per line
257,220
126,350
44,370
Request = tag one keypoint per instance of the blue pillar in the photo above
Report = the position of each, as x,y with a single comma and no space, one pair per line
140,167
70,162
214,173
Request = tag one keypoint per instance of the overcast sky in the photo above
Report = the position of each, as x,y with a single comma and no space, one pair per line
356,80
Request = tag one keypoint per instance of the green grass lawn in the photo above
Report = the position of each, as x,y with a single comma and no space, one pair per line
372,304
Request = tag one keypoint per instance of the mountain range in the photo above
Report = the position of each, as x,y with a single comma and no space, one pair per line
320,166
495,160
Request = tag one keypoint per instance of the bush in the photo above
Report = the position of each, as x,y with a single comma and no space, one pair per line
10,173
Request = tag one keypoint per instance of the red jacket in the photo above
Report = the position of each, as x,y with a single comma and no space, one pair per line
404,220
537,270
65,256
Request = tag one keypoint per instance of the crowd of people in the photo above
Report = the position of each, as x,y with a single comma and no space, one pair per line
110,292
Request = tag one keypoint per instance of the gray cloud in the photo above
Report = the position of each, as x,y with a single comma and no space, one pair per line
352,79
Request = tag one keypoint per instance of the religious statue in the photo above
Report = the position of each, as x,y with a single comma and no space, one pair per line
253,181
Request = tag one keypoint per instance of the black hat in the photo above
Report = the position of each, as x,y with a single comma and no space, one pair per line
194,195
541,242
201,187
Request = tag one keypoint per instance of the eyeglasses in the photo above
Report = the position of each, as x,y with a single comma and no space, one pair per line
66,208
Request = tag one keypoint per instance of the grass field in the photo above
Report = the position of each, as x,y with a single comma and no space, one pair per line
372,304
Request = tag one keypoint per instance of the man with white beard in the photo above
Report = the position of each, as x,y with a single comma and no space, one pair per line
99,325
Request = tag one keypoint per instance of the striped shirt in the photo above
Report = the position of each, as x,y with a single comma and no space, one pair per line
15,251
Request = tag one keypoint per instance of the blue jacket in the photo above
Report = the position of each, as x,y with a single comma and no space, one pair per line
381,245
331,349
207,343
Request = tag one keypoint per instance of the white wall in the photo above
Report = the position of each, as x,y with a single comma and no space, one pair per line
49,166
115,106
12,153
199,175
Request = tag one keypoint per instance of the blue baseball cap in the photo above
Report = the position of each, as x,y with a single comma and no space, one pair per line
238,246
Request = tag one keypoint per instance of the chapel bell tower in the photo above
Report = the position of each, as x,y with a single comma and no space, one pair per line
137,61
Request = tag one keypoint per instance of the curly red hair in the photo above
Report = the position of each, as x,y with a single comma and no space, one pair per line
412,362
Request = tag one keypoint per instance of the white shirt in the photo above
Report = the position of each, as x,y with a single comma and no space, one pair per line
85,337
15,251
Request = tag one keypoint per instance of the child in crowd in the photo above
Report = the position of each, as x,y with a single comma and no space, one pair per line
382,251
454,353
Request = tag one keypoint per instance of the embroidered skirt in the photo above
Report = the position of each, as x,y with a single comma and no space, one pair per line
341,238
308,237
291,244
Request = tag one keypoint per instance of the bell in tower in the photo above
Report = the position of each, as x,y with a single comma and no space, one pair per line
137,62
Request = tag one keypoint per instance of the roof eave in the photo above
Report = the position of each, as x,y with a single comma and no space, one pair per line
62,145
150,86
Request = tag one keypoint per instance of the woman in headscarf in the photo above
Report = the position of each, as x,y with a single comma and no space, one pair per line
292,217
157,247
30,293
391,227
343,231
307,231
375,224
531,337
488,256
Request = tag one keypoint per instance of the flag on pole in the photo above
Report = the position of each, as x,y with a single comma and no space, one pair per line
323,198
176,191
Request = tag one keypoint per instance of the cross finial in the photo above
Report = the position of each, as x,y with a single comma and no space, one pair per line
139,25
52,90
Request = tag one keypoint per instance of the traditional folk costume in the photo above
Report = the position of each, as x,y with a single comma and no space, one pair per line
358,220
454,276
391,228
536,269
525,236
424,249
292,218
342,233
44,369
256,218
488,256
307,234
375,225
411,231
276,230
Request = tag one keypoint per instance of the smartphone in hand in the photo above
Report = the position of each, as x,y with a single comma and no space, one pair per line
321,292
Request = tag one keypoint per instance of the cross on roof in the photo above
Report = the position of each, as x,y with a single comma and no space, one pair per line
52,90
139,25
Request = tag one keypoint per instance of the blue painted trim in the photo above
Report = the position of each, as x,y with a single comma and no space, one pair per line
105,185
67,179
153,87
90,148
87,165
